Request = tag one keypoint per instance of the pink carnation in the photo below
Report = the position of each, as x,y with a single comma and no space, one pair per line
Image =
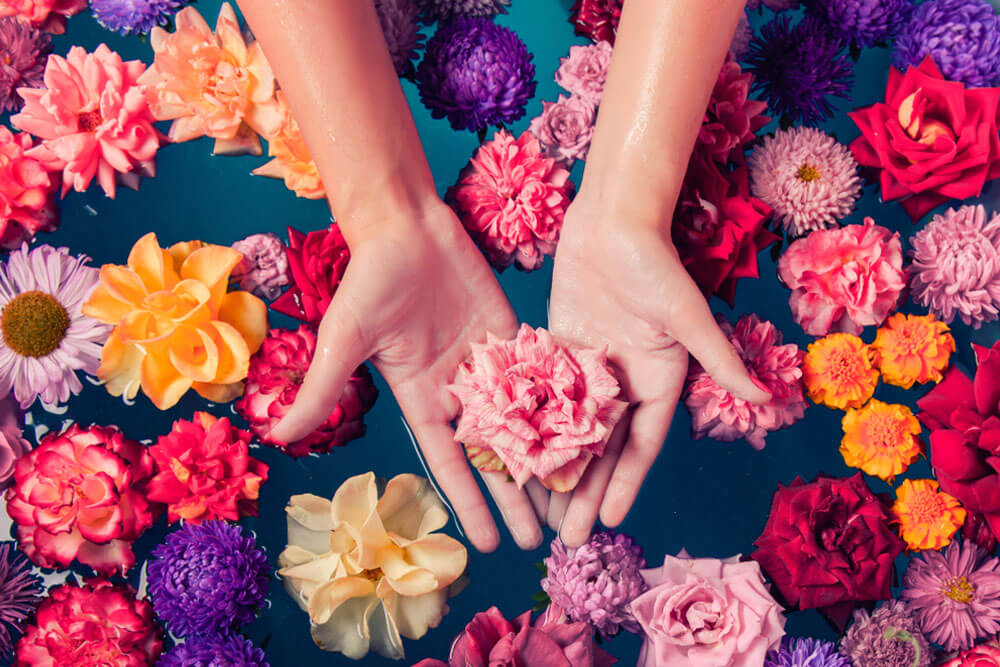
512,200
93,120
541,408
844,279
565,128
263,270
12,443
585,70
48,15
720,415
732,118
27,205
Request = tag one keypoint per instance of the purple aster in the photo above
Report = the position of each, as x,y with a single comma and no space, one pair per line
214,651
476,74
889,637
597,582
798,68
207,578
773,5
446,9
134,16
962,36
863,22
19,589
22,64
401,31
805,653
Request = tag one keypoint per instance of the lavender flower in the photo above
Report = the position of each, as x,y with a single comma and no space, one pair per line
401,32
263,270
19,590
889,637
805,653
446,9
214,651
134,16
23,51
863,22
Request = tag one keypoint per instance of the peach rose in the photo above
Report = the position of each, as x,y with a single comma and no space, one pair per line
292,161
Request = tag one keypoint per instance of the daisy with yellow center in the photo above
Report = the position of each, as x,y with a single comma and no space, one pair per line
912,348
881,439
838,372
927,518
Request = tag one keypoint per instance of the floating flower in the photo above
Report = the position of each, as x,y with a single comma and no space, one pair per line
722,416
984,655
93,120
134,16
536,408
204,471
512,200
912,348
863,22
207,579
476,73
838,372
956,265
976,529
273,382
24,50
12,443
927,518
596,19
955,596
47,15
731,118
401,31
263,271
317,262
19,591
889,637
584,71
881,439
81,624
773,5
805,653
176,327
370,568
740,44
214,650
808,178
444,10
27,202
565,128
291,160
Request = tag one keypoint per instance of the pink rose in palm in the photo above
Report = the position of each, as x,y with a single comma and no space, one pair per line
27,205
48,15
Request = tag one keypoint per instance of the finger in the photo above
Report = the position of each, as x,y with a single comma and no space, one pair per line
586,502
558,502
539,497
516,508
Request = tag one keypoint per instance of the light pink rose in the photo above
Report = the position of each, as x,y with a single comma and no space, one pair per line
585,70
12,443
565,127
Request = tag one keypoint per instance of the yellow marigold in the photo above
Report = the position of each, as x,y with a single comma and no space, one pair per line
292,161
176,326
927,518
838,372
912,348
882,439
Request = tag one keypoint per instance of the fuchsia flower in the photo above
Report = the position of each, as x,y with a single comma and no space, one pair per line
12,443
27,203
584,71
48,15
732,118
565,128
316,262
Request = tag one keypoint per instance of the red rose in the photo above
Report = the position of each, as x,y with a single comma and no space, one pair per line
984,655
828,545
933,139
596,19
317,261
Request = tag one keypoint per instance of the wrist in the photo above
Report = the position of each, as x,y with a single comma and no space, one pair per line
392,206
634,197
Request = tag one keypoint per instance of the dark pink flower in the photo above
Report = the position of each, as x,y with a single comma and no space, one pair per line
27,192
732,118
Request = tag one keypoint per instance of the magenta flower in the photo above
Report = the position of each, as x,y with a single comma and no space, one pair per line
584,71
27,192
12,443
565,128
264,268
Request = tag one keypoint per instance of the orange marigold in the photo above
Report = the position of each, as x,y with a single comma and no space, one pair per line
838,371
912,348
927,518
882,439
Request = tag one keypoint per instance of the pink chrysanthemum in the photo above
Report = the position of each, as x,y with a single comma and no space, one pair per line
809,178
541,408
27,192
718,414
731,118
512,200
24,49
956,265
955,596
93,120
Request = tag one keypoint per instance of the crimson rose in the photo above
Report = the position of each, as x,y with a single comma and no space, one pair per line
317,261
596,19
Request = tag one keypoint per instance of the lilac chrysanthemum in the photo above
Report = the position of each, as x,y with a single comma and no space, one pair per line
888,637
19,591
214,651
955,596
441,10
863,22
956,266
597,582
962,36
207,579
134,16
401,31
809,178
799,68
476,73
805,652
24,50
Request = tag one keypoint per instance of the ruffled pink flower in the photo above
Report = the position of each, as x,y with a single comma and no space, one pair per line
27,205
541,408
12,443
565,128
584,71
732,118
48,15
93,120
844,279
718,414
263,271
512,200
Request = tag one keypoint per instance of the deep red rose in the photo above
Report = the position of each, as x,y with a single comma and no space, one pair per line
933,140
596,19
976,529
828,545
317,261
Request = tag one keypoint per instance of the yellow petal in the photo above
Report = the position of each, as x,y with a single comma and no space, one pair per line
347,631
211,265
441,555
309,522
248,315
355,500
161,382
146,260
104,306
140,326
218,393
234,356
194,354
410,508
179,252
121,367
414,616
331,595
123,284
406,578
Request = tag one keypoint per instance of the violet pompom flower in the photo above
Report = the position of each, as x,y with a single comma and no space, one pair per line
476,73
961,36
442,10
19,594
22,64
799,68
888,637
401,31
863,22
214,651
134,16
207,578
805,652
597,582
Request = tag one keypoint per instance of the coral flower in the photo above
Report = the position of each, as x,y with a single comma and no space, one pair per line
912,348
881,439
47,15
838,371
176,328
927,518
27,204
291,159
93,120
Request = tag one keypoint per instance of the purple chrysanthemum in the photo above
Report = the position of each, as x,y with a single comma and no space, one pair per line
597,582
955,596
962,36
22,63
207,579
740,43
441,10
476,74
888,637
799,68
401,31
863,22
19,591
214,651
805,652
134,16
773,5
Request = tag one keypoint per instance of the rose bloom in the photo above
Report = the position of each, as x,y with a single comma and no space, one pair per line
27,205
828,545
838,371
565,128
584,71
317,262
12,443
881,439
932,140
263,271
732,118
843,279
912,348
291,159
984,655
81,494
927,518
48,15
596,19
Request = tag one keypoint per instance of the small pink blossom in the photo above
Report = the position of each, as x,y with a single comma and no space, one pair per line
585,70
565,128
264,268
12,443
48,15
27,205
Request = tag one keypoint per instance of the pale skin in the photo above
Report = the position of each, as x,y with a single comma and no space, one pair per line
417,292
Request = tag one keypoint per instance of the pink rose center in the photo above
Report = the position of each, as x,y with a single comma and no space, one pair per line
695,616
88,121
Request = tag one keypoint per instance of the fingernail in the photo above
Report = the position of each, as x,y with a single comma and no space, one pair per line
760,385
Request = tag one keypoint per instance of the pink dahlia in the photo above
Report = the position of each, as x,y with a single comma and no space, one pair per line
720,415
536,408
809,178
12,443
47,15
93,120
273,382
956,265
512,200
27,202
844,279
565,128
584,71
732,118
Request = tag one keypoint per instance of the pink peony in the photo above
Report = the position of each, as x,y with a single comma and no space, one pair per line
27,204
48,15
585,70
720,415
12,443
92,118
844,279
263,271
565,128
732,118
541,408
706,612
512,200
81,495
